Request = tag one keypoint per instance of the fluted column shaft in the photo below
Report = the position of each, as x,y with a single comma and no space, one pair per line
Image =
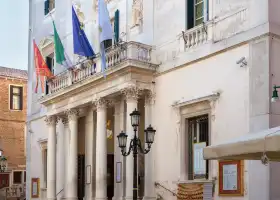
72,178
149,191
51,158
101,149
90,154
132,94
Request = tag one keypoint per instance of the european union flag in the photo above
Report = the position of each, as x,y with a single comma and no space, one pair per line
81,44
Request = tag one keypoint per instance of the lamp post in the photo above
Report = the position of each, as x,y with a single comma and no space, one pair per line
275,96
3,162
135,145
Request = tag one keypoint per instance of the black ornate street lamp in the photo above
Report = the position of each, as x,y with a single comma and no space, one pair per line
3,162
135,145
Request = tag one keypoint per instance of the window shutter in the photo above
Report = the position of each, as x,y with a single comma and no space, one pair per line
21,98
47,6
11,97
207,9
190,14
116,25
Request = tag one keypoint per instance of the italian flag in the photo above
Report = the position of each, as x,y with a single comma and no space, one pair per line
60,54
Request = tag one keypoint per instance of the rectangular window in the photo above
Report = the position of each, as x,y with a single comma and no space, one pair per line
16,97
49,6
17,177
197,12
198,138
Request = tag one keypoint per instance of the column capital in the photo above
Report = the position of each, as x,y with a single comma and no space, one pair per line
150,97
64,120
51,120
102,103
72,114
132,92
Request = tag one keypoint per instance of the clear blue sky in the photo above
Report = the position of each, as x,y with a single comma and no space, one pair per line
14,33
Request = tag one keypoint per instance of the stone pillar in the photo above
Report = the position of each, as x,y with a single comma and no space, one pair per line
119,125
149,191
90,155
72,176
131,93
60,161
101,149
66,154
51,158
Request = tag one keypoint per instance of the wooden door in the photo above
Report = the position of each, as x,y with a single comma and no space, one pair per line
4,180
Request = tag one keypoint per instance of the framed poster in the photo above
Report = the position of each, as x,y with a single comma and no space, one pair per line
118,172
88,174
231,178
35,188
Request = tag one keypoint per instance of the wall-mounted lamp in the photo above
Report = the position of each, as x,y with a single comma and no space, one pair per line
275,96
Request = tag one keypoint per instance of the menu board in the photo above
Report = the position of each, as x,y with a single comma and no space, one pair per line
230,177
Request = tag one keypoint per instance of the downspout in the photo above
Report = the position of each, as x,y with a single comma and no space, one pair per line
29,103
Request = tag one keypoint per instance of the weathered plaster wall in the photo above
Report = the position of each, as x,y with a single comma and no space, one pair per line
218,73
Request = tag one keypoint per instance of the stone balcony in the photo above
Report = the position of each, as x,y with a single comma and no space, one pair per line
126,62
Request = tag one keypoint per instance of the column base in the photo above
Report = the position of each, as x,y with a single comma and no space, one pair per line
101,198
149,198
118,198
70,198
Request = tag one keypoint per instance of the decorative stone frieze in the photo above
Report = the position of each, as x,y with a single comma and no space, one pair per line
51,120
132,92
72,114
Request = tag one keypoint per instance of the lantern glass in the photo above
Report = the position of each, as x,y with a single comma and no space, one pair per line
135,118
150,135
122,138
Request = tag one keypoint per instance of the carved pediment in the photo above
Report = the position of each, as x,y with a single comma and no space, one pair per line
46,46
45,42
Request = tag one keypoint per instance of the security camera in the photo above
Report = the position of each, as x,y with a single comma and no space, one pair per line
242,61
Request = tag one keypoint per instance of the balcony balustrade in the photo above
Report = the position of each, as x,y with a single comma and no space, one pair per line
117,56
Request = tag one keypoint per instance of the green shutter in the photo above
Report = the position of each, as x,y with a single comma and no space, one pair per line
47,6
116,26
190,14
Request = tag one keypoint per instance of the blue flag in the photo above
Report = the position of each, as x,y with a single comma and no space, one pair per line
82,46
105,30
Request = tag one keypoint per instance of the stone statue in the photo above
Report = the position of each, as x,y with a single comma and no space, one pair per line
80,14
137,12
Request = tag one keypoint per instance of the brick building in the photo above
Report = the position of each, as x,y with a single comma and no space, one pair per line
13,93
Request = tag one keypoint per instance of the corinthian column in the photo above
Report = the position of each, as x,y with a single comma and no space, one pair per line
72,176
101,149
66,154
132,94
90,153
51,157
119,125
149,192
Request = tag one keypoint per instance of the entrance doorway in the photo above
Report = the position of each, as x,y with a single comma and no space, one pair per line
110,176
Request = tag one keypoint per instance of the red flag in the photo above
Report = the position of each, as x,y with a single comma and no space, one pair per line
41,67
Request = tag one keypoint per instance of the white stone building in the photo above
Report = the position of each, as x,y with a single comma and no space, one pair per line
199,71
